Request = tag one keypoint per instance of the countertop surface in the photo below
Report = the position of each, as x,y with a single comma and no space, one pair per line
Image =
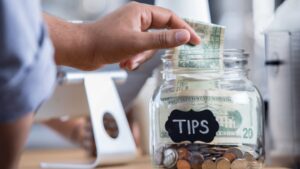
31,159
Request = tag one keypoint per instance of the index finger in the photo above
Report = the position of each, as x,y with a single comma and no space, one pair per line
164,18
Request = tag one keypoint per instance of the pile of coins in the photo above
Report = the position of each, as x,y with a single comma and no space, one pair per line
204,156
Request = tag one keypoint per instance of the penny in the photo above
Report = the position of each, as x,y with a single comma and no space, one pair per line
229,156
183,164
255,165
239,164
236,151
209,164
183,153
223,163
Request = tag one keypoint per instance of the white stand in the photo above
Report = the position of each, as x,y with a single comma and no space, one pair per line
101,97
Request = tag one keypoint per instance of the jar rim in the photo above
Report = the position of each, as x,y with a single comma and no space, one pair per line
227,54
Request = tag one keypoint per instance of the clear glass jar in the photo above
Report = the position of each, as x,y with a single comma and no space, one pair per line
207,118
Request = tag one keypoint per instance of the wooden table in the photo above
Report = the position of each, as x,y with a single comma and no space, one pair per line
32,158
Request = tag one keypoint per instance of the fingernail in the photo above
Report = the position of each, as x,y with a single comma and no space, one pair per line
135,66
132,67
181,36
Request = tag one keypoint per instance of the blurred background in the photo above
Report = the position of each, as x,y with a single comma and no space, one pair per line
246,24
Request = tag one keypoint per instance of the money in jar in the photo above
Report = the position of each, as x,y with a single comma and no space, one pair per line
206,114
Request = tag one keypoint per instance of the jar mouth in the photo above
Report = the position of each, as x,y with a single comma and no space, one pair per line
227,55
201,63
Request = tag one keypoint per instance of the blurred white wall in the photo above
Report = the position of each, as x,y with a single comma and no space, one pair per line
85,10
263,12
245,21
192,9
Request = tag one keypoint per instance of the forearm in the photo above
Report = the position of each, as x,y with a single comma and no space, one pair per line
13,137
71,42
67,128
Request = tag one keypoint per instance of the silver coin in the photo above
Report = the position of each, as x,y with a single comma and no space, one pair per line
158,156
196,158
170,158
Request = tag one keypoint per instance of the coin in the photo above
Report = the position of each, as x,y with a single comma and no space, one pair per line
236,151
229,156
170,158
193,147
209,164
248,156
239,164
158,157
183,164
183,153
223,163
254,165
206,150
196,159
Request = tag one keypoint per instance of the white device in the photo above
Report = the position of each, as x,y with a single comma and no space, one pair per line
93,93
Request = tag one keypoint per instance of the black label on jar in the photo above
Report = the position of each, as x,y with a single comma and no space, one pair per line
192,126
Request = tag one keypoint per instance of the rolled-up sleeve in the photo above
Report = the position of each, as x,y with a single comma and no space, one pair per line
27,69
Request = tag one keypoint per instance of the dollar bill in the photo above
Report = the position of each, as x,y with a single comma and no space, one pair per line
212,41
212,38
208,55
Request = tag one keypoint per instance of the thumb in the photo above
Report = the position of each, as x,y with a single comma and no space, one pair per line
164,39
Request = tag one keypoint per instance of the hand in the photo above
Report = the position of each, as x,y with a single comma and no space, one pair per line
123,36
77,130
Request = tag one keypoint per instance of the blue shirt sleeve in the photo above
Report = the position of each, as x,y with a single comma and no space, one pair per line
27,69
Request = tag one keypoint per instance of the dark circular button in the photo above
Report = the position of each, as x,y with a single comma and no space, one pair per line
110,125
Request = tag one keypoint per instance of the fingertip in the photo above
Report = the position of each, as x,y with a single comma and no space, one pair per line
132,66
195,39
185,36
182,36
